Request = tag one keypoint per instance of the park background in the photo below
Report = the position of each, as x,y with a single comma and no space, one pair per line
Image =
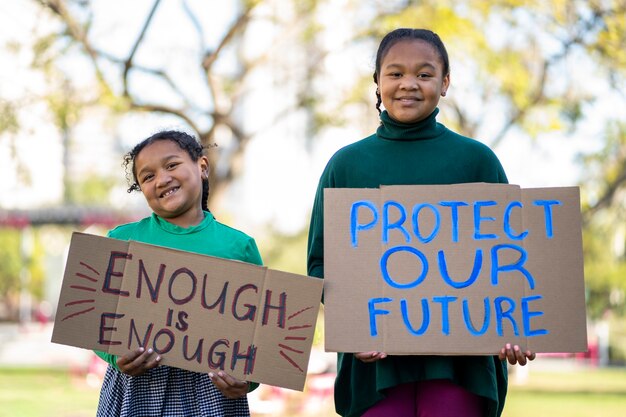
279,86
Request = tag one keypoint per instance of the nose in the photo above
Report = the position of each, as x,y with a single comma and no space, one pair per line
163,178
409,82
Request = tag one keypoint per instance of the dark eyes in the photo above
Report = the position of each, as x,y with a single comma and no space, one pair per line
420,75
148,177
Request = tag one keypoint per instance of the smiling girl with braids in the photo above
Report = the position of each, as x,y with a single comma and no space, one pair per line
411,147
172,172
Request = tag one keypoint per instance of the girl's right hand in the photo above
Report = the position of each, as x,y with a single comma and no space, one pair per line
137,362
369,357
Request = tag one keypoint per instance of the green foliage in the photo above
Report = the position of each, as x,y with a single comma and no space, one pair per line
10,261
525,65
604,205
14,257
92,190
527,70
8,118
285,252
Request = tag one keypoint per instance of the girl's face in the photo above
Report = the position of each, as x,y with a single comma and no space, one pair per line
171,182
411,80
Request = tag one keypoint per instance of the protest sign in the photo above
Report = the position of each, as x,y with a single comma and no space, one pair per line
198,312
453,269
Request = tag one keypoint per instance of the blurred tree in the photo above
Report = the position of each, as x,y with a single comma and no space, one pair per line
529,67
538,66
10,267
15,266
219,66
604,208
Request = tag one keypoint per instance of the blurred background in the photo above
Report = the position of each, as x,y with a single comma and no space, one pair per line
279,86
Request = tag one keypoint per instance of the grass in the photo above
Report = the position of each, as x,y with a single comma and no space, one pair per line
45,392
572,393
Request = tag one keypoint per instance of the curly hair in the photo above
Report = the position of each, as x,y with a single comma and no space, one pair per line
185,141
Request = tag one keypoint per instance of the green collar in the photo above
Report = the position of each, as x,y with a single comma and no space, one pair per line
177,230
424,129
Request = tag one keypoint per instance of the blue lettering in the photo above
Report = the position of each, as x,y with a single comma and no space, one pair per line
547,211
454,216
425,317
383,267
478,219
496,268
527,315
416,227
355,227
507,222
468,319
386,226
373,312
505,314
443,270
445,320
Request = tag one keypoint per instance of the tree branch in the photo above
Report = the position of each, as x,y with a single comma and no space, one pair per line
76,32
211,56
607,196
128,64
168,110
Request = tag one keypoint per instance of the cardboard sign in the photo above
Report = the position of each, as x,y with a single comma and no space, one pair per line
198,312
453,269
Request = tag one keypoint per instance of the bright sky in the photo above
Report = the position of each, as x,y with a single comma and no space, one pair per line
280,175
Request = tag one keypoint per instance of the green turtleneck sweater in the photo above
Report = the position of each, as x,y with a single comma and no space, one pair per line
422,153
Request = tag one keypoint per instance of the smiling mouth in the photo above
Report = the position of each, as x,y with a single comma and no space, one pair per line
169,192
408,99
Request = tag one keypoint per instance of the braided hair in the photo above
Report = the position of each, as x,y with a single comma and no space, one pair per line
398,35
185,141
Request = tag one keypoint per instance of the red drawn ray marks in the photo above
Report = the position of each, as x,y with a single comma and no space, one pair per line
77,313
92,269
306,326
295,338
78,274
298,312
80,287
291,361
71,303
290,348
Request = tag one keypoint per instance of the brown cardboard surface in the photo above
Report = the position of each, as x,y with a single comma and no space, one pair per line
198,312
453,269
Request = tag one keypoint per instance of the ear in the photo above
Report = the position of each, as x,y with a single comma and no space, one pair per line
203,165
445,83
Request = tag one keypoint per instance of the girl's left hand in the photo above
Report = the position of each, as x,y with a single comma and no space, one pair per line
229,386
515,355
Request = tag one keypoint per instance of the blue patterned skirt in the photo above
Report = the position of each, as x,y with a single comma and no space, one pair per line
165,392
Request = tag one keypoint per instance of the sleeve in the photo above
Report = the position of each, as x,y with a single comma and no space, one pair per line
315,245
496,172
107,357
502,175
251,253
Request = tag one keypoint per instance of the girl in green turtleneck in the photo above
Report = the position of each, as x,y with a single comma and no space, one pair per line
410,147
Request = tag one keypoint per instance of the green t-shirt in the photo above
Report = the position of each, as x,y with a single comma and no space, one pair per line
209,237
401,154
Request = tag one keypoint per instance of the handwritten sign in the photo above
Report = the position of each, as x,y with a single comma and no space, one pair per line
198,312
453,269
